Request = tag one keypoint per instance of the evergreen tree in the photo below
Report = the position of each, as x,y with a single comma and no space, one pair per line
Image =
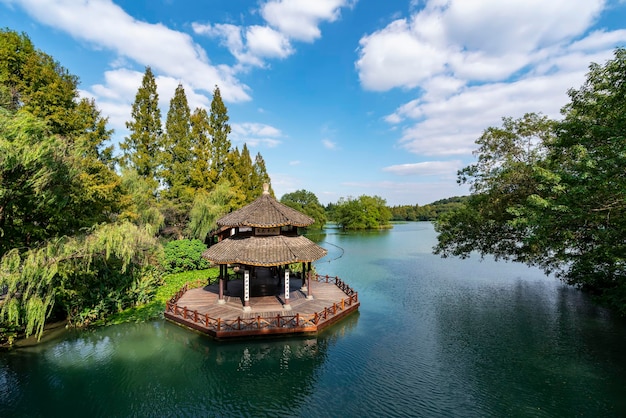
247,174
34,82
200,172
142,148
219,129
261,177
232,174
177,155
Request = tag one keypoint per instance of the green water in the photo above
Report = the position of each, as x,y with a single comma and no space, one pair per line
433,337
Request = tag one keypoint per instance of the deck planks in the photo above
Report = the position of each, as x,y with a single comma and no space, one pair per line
204,301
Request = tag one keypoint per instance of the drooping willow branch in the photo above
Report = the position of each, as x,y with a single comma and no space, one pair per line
31,279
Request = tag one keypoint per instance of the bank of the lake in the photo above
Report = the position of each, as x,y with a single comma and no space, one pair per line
434,337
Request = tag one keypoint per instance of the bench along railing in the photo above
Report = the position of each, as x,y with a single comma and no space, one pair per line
261,322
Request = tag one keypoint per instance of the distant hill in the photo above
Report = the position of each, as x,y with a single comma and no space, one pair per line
427,212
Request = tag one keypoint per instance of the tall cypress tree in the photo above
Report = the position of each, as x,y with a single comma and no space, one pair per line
261,176
200,176
219,128
177,152
142,147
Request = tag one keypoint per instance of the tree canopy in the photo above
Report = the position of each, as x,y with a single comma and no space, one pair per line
364,212
307,203
553,193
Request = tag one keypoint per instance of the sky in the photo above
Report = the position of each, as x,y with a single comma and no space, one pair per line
342,98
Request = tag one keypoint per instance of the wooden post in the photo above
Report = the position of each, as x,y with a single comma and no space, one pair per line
220,298
309,292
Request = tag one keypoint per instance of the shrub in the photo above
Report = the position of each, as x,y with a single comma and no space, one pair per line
185,255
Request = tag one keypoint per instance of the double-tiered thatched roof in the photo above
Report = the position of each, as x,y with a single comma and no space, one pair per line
265,212
270,248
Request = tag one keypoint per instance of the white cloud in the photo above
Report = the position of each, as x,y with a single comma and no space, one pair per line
426,168
328,144
169,52
255,134
471,63
300,19
398,193
267,43
287,20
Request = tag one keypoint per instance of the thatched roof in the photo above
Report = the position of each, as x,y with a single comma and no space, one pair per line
265,212
266,251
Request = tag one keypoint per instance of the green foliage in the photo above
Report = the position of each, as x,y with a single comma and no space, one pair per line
429,212
142,148
208,208
88,276
184,255
172,283
307,203
260,177
199,171
553,194
366,212
177,154
38,84
219,130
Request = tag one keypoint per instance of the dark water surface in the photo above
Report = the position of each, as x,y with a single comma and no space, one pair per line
434,337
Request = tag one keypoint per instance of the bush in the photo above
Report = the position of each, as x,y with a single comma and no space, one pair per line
185,255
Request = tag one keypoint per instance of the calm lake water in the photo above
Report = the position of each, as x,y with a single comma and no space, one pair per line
434,337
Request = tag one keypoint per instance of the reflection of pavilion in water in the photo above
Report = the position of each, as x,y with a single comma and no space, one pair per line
260,242
270,374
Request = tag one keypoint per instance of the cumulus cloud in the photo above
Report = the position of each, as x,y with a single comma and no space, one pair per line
251,46
426,168
170,52
471,63
286,21
255,134
300,19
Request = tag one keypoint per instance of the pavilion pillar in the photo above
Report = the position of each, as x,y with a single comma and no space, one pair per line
309,293
220,298
246,290
303,287
287,306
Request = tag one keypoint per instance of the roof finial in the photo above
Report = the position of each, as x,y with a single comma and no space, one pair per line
266,188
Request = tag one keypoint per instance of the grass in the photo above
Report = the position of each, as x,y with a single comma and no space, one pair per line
155,308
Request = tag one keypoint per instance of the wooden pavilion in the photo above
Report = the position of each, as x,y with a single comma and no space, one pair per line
259,242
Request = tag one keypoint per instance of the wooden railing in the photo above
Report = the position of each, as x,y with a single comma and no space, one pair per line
260,322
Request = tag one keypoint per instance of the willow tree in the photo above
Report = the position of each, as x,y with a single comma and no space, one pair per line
208,207
68,272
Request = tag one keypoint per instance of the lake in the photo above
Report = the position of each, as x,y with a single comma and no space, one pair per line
433,337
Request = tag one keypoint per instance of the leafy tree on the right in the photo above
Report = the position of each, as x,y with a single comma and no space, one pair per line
553,193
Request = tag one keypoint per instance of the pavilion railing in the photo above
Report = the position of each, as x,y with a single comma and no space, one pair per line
266,322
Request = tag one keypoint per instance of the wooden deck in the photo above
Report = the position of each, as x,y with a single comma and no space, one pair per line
199,308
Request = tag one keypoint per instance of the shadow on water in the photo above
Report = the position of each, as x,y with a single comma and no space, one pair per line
160,369
432,337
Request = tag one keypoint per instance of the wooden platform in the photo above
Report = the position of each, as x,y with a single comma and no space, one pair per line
269,314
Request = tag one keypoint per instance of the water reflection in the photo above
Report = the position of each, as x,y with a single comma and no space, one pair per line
160,369
433,337
523,349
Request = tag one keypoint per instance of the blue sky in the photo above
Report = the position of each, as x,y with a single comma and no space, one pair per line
341,97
